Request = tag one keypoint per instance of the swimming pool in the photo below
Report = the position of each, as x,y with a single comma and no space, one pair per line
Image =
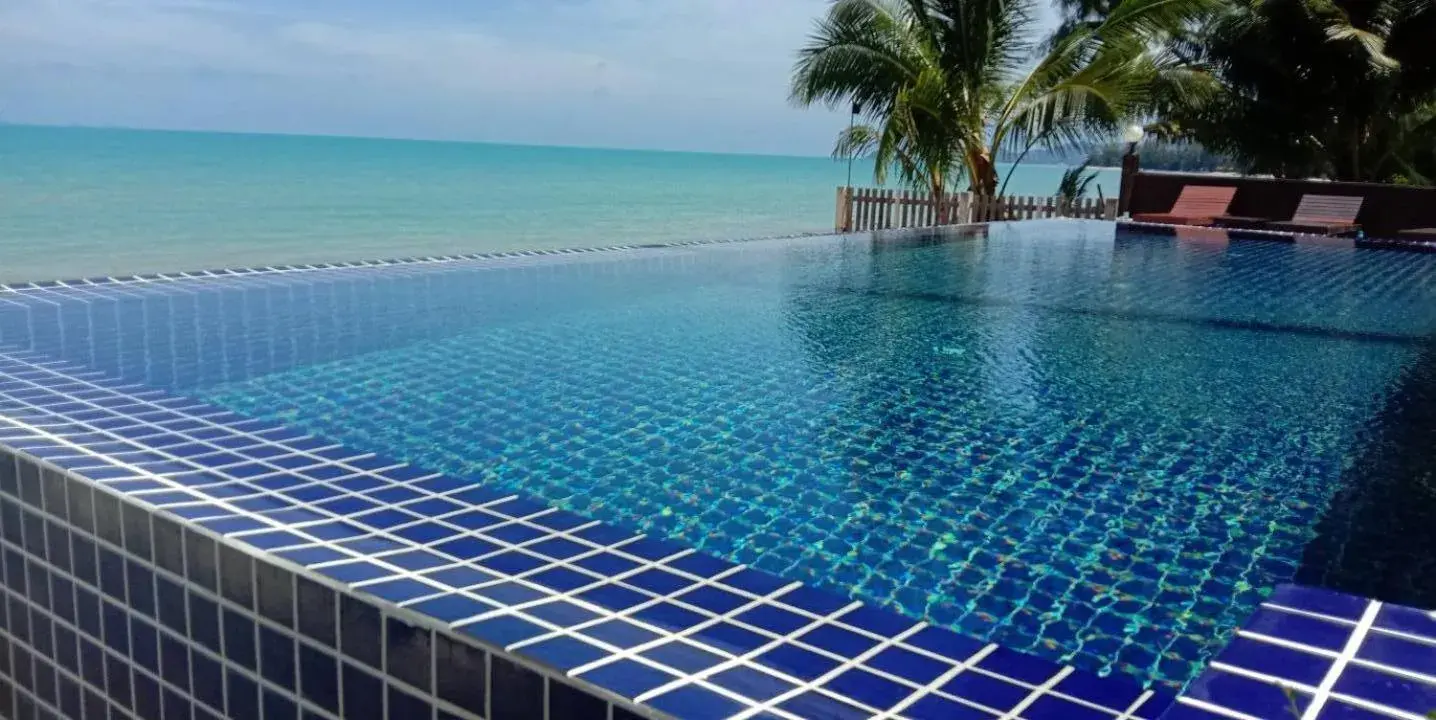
1102,447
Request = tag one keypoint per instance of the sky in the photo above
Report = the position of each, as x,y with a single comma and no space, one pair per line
706,75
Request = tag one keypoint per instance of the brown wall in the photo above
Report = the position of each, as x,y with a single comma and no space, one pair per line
1387,209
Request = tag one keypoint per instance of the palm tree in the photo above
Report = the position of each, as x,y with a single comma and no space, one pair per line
1343,89
948,86
1075,181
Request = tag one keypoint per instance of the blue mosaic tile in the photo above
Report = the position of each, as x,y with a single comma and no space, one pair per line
1362,662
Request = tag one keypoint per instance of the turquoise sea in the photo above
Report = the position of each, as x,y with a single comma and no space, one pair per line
78,202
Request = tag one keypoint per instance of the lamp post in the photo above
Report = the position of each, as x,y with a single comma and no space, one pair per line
1132,134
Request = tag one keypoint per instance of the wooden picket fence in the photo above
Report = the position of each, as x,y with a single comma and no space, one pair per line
862,209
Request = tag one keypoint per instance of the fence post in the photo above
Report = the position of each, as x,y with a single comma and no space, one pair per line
1109,209
844,220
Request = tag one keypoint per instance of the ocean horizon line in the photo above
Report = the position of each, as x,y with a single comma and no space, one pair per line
452,141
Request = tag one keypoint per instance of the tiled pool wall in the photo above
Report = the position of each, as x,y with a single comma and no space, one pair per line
111,610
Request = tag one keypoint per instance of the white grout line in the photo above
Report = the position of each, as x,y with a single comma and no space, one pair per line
939,681
1027,702
1131,711
1217,709
1353,644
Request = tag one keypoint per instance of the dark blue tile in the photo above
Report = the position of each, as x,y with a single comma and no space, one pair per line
363,694
875,620
204,622
945,643
242,694
278,707
452,608
276,658
1398,653
713,599
208,680
239,640
563,579
460,577
619,633
1298,628
564,652
613,597
144,645
933,707
700,564
986,691
683,656
837,640
756,582
461,674
571,703
1018,666
1407,620
174,662
1402,693
751,683
141,588
1110,692
773,619
908,665
408,652
504,630
658,582
1275,660
170,599
147,697
1049,707
669,616
798,662
730,638
319,678
869,689
315,606
816,705
1318,600
360,632
1338,710
628,678
1245,695
406,705
355,572
509,593
691,701
117,631
522,696
236,576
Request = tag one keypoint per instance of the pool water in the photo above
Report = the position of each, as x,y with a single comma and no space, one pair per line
1098,446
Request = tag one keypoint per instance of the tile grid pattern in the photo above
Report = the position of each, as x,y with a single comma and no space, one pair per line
110,608
1311,654
571,594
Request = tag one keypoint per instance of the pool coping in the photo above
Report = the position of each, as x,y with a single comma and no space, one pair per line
243,270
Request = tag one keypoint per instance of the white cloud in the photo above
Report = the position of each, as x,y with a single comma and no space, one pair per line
603,71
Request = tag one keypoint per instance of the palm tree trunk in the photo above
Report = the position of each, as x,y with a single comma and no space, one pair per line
938,185
984,173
